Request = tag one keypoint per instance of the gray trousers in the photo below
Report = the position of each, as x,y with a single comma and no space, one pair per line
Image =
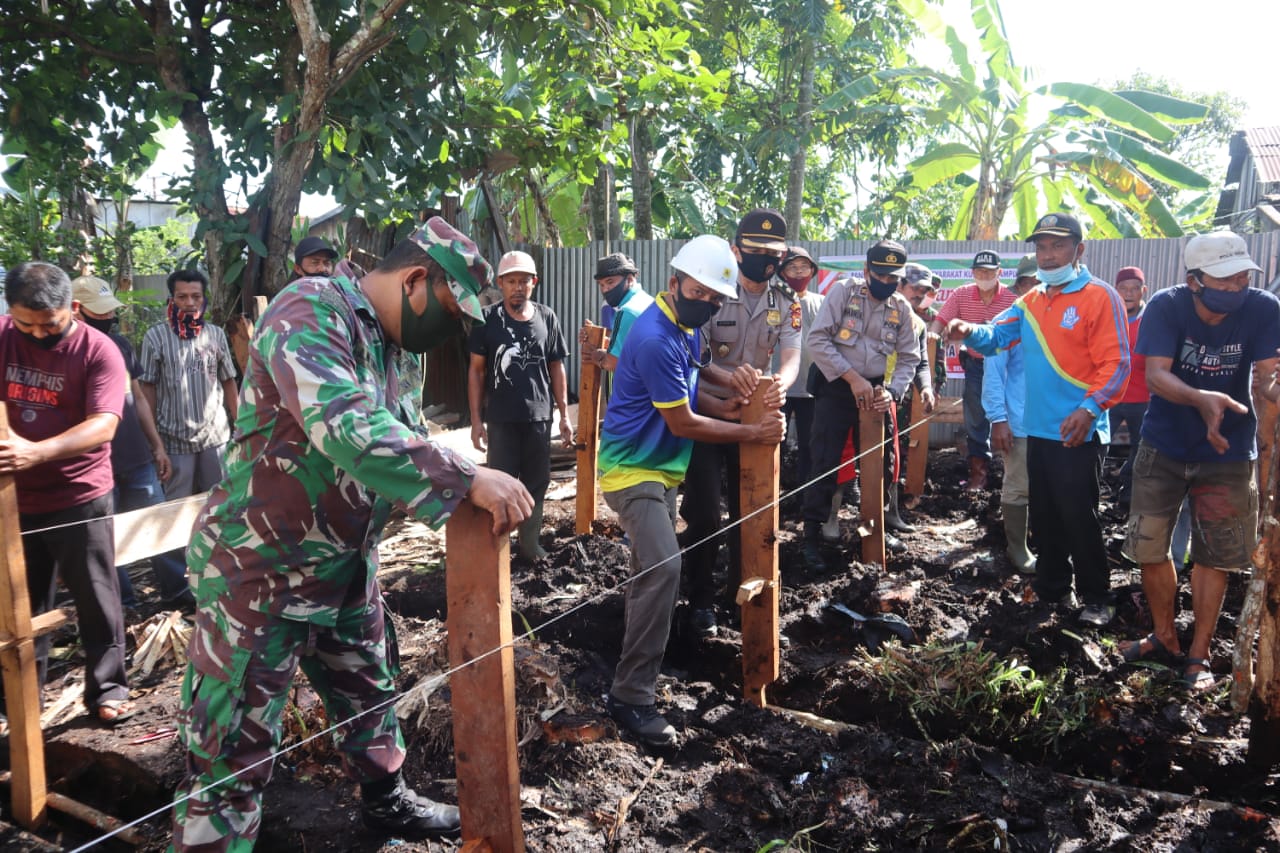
647,512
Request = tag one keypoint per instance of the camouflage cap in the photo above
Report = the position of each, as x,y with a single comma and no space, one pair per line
466,269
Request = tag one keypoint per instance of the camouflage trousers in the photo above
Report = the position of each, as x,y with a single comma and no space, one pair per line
230,722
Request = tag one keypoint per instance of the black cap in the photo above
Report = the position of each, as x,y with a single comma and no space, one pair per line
762,228
986,260
312,246
1057,225
615,264
887,256
794,252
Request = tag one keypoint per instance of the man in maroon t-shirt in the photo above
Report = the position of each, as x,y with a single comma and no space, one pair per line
977,302
63,390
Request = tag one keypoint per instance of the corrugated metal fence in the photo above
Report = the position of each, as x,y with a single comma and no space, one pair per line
566,283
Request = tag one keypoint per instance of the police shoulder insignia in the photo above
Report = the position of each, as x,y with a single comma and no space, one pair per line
795,315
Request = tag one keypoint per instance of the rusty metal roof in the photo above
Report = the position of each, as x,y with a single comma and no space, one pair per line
1264,145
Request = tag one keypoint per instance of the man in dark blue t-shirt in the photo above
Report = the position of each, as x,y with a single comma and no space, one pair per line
1202,340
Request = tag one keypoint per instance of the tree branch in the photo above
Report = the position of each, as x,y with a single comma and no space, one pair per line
355,50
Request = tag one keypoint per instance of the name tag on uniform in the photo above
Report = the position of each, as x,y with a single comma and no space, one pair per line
773,317
726,322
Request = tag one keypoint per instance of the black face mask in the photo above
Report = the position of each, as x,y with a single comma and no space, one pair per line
48,341
758,268
693,313
881,290
615,294
104,326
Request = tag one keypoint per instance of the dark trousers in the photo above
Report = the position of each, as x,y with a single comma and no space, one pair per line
976,426
835,414
83,554
1131,414
523,450
1064,520
712,469
800,410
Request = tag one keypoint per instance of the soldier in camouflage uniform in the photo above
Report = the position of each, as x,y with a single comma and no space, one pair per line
283,559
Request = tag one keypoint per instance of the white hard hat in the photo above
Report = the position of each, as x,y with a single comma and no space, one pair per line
516,261
709,260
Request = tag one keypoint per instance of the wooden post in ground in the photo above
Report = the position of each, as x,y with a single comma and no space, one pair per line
918,437
589,430
1250,621
478,586
18,659
871,474
759,590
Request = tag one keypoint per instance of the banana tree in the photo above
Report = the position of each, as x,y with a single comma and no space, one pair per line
1025,149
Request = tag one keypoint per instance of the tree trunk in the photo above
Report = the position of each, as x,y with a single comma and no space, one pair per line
794,212
550,230
604,202
641,178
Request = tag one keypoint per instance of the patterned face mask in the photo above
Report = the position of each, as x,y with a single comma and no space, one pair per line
185,324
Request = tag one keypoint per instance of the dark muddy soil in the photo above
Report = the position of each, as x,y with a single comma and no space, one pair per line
1007,726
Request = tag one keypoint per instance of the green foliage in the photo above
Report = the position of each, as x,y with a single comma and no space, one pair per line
1100,150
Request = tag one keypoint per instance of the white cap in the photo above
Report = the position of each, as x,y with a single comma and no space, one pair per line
1221,254
709,260
95,294
516,261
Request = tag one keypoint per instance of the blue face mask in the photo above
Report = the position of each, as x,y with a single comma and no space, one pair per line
1222,301
1057,276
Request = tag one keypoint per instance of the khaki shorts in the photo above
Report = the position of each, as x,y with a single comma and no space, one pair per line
1224,509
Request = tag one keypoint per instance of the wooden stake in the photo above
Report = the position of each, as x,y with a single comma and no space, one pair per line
871,473
758,487
589,431
478,586
918,438
18,659
1250,621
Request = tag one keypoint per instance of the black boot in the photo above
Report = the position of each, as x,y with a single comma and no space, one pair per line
892,519
393,807
813,559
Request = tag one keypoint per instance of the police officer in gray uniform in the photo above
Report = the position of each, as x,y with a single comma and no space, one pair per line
863,324
765,316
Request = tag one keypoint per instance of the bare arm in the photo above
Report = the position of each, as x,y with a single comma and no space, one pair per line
685,423
148,390
560,396
1211,405
229,392
475,399
788,367
18,454
147,420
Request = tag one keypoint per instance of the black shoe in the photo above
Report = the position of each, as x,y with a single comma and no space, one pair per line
405,813
813,559
643,721
897,525
704,622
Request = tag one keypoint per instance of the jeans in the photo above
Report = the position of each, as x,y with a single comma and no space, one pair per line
976,426
139,488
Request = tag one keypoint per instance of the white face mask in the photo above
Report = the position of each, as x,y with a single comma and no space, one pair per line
1057,276
987,286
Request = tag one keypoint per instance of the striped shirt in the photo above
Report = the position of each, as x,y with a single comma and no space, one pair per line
188,375
965,303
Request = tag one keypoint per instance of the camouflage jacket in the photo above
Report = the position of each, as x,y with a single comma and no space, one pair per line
317,455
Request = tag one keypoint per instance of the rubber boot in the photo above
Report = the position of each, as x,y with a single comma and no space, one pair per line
813,559
892,519
1015,530
831,527
529,530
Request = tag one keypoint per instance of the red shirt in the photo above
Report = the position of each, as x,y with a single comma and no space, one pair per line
47,392
1137,391
965,303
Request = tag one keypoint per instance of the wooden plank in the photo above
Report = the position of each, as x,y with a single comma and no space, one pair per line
40,625
153,530
949,410
29,800
758,487
918,437
871,473
478,586
588,437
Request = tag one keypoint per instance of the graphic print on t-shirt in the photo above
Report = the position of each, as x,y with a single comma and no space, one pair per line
32,387
1205,360
512,361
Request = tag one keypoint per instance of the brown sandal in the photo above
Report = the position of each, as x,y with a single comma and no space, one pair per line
114,711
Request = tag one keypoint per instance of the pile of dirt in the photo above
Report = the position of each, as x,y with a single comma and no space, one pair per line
1005,724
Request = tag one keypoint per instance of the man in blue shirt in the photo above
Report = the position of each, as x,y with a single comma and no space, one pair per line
1004,398
1202,340
616,278
656,413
